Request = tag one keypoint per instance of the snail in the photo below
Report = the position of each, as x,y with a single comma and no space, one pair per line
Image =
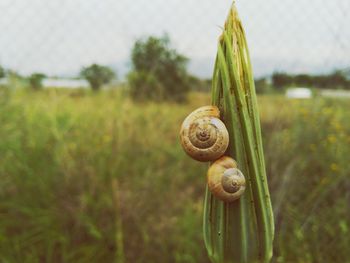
225,180
203,135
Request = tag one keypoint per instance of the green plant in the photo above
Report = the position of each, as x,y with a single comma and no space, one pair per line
35,80
281,80
242,231
163,69
144,85
262,86
97,75
59,158
2,72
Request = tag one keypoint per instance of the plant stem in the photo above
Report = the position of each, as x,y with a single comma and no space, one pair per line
239,232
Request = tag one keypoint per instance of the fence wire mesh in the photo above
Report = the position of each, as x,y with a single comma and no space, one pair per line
59,37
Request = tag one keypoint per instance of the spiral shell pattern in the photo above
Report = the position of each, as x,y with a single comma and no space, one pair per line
225,180
203,135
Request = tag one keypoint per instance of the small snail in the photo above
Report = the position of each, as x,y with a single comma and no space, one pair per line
203,135
225,180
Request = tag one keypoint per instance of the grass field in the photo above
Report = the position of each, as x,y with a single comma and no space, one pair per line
97,178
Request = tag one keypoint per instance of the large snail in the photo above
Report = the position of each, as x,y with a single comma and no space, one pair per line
203,135
225,180
205,138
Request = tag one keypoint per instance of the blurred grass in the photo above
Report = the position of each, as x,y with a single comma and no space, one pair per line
97,178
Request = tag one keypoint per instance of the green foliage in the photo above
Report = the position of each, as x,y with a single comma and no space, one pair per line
281,80
157,63
97,75
307,149
60,157
145,85
303,80
35,80
2,72
336,80
198,84
262,86
332,81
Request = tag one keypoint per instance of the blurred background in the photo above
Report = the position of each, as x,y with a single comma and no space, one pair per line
92,94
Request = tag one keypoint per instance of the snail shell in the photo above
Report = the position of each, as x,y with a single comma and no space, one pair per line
225,180
203,135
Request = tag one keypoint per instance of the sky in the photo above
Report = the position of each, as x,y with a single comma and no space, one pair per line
58,37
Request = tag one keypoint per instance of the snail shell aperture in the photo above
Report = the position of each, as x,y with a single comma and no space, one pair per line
203,135
225,180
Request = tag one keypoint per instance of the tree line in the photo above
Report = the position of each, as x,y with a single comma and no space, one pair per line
280,81
160,73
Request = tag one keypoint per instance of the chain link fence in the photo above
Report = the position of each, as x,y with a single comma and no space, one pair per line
58,37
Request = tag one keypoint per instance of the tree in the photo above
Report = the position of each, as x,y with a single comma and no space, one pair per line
145,85
281,80
155,62
97,75
35,80
337,80
199,84
303,80
262,86
2,72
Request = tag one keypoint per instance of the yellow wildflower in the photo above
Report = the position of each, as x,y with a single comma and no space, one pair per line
334,167
331,138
